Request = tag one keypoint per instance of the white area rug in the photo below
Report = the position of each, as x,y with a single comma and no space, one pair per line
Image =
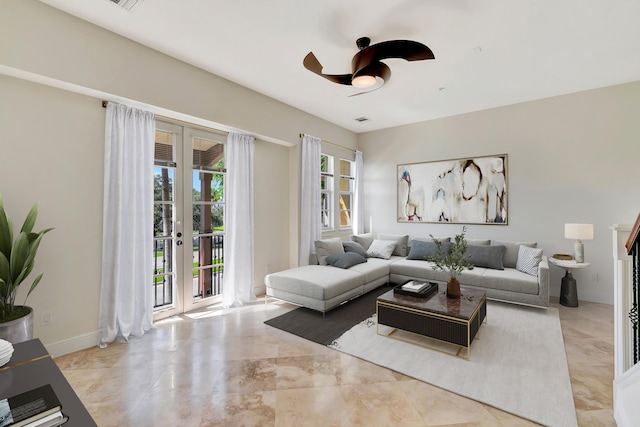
518,362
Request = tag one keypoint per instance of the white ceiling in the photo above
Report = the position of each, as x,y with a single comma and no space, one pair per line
488,53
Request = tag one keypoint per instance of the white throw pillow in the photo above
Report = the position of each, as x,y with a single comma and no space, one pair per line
528,260
402,242
381,249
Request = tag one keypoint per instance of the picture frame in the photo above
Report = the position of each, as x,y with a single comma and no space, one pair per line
470,190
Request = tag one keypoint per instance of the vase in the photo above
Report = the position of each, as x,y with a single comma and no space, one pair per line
453,288
18,330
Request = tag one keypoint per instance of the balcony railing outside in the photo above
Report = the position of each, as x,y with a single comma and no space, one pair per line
207,278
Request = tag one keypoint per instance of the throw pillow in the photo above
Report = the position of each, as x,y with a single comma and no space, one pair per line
511,254
528,260
381,249
345,260
364,239
430,239
354,247
420,250
478,242
402,242
486,256
327,247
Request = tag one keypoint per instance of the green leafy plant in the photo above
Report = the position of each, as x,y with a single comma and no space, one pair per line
17,258
456,260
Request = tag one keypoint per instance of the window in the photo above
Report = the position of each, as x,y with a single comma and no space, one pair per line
326,191
336,195
347,180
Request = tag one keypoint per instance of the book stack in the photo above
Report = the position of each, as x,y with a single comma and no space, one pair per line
38,407
416,289
414,286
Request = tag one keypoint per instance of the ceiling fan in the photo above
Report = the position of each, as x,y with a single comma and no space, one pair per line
366,65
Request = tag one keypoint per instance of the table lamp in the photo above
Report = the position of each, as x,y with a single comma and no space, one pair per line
579,232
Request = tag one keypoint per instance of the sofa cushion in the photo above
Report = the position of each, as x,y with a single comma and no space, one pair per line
528,260
402,242
486,256
478,242
381,248
418,269
375,268
420,250
511,254
327,247
363,239
354,247
345,260
510,280
431,239
316,281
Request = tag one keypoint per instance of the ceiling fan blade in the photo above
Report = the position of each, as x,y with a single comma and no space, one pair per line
312,64
404,49
362,93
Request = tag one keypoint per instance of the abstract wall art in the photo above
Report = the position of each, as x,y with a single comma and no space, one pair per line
468,191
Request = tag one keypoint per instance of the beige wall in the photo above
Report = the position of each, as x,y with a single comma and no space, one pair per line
51,150
572,158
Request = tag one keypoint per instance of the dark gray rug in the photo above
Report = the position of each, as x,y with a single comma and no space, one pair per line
310,324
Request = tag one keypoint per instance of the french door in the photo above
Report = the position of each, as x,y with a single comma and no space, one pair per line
189,183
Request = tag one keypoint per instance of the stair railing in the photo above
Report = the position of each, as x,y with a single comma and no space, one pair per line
633,249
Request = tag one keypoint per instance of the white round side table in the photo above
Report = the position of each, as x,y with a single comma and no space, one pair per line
568,288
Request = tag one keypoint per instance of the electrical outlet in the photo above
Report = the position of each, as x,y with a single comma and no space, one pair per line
267,269
594,277
47,318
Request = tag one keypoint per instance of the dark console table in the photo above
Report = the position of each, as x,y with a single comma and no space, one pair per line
32,366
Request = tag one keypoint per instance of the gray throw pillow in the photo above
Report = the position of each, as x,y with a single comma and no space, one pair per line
363,239
354,247
345,260
327,247
420,250
511,254
486,256
402,242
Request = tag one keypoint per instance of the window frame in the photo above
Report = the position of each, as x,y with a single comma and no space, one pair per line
335,154
328,191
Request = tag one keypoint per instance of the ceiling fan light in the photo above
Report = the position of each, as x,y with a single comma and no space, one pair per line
363,82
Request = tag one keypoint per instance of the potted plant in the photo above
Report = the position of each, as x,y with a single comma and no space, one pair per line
454,262
17,257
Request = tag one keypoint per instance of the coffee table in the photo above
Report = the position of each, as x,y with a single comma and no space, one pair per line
454,321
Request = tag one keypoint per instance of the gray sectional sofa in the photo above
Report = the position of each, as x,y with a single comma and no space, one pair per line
509,271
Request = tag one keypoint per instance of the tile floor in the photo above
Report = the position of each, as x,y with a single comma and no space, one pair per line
226,368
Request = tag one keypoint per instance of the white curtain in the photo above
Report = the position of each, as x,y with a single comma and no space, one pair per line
358,202
126,306
310,221
237,287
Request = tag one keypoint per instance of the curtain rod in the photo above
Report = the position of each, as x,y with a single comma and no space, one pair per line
333,143
104,105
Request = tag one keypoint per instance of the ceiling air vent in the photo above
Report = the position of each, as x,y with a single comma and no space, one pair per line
126,4
361,119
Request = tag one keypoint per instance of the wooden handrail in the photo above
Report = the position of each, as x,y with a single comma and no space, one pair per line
633,236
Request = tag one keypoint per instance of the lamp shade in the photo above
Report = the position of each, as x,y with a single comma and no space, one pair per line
578,231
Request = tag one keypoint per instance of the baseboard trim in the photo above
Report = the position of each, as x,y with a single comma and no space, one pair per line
77,343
